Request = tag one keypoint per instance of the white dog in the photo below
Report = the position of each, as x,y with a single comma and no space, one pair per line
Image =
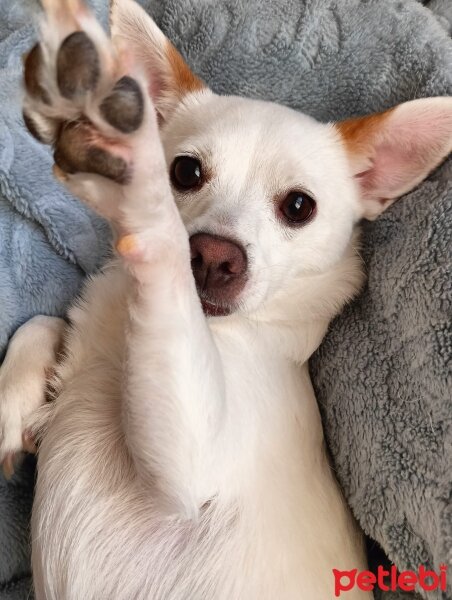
183,458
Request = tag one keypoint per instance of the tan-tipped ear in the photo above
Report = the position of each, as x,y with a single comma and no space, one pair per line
169,76
393,151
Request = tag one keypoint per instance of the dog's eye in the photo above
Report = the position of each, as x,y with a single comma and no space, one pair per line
186,172
297,208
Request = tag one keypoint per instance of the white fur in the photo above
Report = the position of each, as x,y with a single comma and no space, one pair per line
30,358
185,457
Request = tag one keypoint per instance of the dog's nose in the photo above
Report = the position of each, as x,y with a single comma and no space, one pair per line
219,266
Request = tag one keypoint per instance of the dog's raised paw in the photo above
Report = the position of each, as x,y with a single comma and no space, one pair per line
79,96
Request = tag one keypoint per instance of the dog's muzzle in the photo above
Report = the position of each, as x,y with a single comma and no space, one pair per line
219,267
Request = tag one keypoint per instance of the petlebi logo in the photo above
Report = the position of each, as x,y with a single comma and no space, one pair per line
391,580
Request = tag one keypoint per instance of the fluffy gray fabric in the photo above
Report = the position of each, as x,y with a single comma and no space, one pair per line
382,373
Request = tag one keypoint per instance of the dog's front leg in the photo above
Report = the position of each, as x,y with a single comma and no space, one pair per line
172,386
172,377
87,99
24,374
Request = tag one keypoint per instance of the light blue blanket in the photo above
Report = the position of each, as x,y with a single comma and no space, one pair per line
383,373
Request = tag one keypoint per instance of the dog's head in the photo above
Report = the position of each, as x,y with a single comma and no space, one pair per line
269,196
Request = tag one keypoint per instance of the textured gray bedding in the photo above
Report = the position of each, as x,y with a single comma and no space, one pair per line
383,373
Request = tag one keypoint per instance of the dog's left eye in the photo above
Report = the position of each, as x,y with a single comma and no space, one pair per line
297,208
186,172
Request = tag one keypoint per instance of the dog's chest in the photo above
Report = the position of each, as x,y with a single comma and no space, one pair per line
270,457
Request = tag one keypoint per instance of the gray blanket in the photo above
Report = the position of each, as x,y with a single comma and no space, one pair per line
382,373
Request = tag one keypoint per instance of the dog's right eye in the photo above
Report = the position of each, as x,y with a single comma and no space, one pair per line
186,173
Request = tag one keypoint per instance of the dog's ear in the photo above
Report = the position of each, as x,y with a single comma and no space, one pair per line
391,152
169,76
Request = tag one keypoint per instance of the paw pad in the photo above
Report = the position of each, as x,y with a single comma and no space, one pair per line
74,153
32,71
78,67
124,107
76,102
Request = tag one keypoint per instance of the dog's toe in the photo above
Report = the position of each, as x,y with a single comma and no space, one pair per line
78,66
41,128
124,107
32,75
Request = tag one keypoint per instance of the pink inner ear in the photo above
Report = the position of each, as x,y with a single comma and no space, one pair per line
392,152
402,145
394,167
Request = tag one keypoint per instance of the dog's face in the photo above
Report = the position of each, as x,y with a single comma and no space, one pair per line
269,196
265,194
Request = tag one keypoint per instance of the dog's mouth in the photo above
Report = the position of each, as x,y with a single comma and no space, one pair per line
214,309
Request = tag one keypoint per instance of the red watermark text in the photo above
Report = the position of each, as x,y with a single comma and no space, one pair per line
391,580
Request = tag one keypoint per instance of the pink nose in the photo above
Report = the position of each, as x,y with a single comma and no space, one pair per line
219,266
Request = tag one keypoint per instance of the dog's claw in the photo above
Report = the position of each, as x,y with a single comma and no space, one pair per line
12,459
28,443
8,465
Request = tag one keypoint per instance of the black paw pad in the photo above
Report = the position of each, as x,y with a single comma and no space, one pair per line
124,107
78,66
107,165
74,153
32,67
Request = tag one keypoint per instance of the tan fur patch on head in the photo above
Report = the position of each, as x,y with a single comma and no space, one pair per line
184,78
358,133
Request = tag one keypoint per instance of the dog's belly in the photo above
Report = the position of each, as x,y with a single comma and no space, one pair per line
97,533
